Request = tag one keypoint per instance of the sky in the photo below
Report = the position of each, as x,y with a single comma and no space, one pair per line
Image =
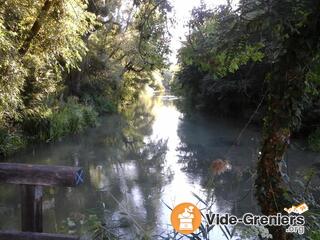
182,12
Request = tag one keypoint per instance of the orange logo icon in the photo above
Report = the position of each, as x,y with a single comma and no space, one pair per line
186,218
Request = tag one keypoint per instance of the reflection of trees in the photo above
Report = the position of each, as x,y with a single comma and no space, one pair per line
197,152
151,178
126,170
237,190
123,168
193,150
195,157
9,206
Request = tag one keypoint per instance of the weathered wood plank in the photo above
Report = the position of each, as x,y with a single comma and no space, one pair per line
42,175
8,235
31,208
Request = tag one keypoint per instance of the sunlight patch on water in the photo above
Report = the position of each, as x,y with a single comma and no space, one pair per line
181,188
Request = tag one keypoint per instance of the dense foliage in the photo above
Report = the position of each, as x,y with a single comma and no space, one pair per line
100,53
228,56
263,52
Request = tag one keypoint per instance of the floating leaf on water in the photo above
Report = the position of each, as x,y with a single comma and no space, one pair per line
220,166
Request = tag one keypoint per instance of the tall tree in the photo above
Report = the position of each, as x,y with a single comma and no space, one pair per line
285,35
40,34
130,42
36,27
299,28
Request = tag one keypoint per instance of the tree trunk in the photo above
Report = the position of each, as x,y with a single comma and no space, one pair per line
286,92
287,89
269,183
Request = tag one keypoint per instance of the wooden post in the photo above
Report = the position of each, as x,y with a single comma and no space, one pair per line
42,175
31,208
32,178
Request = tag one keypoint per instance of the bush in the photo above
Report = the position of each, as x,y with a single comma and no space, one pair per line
72,118
47,124
90,116
102,105
314,140
50,124
10,142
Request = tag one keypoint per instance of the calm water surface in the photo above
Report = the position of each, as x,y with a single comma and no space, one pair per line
142,162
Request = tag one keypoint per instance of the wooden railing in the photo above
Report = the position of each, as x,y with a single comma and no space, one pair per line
32,179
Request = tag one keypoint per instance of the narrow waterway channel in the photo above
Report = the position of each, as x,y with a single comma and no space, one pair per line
140,163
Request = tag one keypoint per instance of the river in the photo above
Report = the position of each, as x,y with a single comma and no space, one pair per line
143,162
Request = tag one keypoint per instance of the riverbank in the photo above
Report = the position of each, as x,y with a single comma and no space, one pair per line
47,125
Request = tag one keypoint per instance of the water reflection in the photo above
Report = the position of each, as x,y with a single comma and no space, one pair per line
140,163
